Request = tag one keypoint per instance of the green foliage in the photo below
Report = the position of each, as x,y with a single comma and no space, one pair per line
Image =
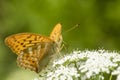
99,24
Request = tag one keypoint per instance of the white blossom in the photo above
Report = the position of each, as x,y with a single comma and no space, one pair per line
82,65
118,77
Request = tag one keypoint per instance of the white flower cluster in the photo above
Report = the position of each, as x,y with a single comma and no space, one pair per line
117,72
83,65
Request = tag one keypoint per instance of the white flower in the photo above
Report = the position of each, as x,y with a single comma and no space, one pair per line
82,65
117,72
36,79
63,73
118,77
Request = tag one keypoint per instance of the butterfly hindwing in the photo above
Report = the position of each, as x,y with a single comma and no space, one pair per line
36,57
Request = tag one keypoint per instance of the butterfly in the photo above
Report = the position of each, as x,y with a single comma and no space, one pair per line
34,50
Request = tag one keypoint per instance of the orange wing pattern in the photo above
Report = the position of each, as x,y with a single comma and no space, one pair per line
34,50
21,41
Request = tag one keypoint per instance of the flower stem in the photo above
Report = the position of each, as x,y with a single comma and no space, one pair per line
110,77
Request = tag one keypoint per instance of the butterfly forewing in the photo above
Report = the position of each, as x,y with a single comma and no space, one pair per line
22,41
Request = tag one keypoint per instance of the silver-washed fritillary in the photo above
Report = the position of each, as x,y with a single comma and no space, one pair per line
34,50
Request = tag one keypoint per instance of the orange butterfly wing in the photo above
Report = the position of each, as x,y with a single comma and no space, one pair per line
34,50
22,41
56,35
31,49
36,57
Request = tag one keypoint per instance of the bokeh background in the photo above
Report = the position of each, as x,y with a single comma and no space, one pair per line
99,27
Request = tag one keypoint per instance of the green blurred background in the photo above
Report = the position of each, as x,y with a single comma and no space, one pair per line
99,26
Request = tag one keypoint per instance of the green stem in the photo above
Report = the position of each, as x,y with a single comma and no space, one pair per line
110,77
77,69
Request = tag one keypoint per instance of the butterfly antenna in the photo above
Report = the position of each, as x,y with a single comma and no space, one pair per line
77,25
